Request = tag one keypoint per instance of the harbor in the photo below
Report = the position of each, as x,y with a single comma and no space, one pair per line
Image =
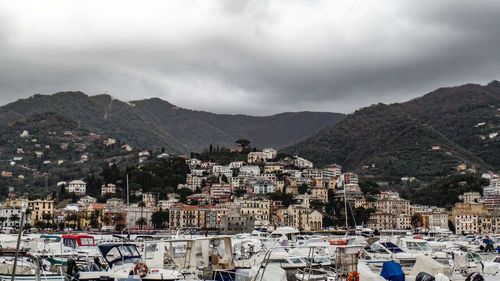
282,254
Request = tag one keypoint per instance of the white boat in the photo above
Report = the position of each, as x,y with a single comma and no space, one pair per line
122,261
27,268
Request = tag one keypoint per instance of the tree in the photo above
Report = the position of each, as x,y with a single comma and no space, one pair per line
14,218
159,218
303,188
142,205
239,191
2,221
417,220
285,198
40,225
47,217
72,218
243,143
141,222
106,220
94,219
451,226
184,193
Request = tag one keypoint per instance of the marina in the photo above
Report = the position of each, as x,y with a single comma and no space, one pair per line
284,254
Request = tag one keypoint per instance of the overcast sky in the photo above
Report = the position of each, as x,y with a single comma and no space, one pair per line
242,56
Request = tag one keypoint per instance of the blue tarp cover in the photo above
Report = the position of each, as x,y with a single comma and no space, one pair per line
488,241
392,271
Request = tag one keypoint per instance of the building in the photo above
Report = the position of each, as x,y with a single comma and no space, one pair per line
165,205
273,167
219,170
149,199
87,200
256,157
319,194
250,170
78,187
259,209
302,163
300,217
471,197
466,217
391,212
41,209
234,222
392,205
264,187
380,220
12,217
335,169
193,217
270,153
108,189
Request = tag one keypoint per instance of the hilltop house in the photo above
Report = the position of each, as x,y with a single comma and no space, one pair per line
77,187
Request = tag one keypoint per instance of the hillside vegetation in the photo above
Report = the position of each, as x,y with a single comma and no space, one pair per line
425,137
155,123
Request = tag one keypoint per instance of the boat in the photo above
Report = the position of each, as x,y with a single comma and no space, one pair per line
121,260
27,268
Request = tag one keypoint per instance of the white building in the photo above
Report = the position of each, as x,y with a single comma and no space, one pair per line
219,170
270,153
108,189
302,163
236,164
77,187
264,187
87,200
250,170
8,212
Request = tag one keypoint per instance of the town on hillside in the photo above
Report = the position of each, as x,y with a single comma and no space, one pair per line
246,190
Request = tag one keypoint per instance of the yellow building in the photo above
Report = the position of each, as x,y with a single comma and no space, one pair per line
91,217
41,207
257,208
319,194
186,216
304,219
466,217
273,167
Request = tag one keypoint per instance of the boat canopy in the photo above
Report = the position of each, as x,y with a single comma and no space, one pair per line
78,240
115,253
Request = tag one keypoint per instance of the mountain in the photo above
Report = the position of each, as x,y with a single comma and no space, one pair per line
42,149
391,141
155,123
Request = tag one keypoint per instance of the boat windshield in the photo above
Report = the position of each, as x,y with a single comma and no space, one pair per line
392,247
419,246
497,259
376,249
69,242
87,241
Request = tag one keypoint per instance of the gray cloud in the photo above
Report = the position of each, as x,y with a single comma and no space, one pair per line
256,57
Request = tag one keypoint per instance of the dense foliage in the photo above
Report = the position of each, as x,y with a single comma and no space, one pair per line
443,192
156,124
392,141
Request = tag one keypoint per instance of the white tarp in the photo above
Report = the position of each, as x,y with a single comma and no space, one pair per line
365,273
428,265
20,269
272,272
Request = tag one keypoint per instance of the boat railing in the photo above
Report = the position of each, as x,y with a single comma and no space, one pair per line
28,255
267,257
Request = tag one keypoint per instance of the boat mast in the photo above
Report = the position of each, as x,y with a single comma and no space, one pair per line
24,205
128,210
345,208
